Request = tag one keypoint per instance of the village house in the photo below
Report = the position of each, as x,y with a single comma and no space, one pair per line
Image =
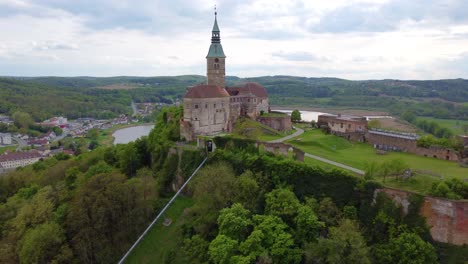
56,122
5,139
347,126
19,159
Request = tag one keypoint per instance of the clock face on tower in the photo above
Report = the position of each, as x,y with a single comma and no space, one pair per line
216,60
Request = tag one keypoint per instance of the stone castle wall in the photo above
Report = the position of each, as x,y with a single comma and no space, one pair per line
282,149
281,123
393,143
447,219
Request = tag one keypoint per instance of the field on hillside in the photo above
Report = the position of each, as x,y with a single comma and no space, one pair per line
455,125
119,86
359,154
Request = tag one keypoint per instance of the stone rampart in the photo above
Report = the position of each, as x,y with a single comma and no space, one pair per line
395,142
447,219
280,123
282,149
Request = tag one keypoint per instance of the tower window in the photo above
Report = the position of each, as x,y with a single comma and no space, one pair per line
216,66
206,105
214,105
196,106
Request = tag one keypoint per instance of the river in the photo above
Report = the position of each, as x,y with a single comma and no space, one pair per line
312,115
305,115
129,134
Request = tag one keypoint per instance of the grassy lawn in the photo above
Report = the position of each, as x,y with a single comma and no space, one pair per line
3,149
358,154
157,245
452,124
273,114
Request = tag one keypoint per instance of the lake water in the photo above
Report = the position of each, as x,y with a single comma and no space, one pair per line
305,115
129,134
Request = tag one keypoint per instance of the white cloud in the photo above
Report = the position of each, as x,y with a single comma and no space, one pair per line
308,38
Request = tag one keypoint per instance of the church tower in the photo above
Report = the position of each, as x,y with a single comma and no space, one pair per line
215,60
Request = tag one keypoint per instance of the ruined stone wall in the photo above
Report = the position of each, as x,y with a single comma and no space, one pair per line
281,123
282,149
409,145
436,152
447,219
402,144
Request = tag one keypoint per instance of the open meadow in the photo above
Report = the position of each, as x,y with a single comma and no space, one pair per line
428,170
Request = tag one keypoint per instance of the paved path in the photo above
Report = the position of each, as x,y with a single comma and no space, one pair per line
346,167
340,165
297,133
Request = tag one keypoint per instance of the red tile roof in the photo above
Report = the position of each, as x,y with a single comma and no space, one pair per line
19,156
206,91
253,88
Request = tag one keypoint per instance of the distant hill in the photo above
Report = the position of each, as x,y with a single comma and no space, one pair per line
438,98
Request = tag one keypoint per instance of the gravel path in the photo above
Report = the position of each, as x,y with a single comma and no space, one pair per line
299,132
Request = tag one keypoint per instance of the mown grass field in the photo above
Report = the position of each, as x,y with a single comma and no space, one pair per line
158,245
455,125
358,154
3,149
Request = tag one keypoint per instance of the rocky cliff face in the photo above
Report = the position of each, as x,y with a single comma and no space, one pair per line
447,219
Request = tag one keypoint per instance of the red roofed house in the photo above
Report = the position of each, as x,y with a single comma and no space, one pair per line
18,159
213,108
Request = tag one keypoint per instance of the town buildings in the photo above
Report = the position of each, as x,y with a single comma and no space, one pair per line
5,139
350,127
18,159
213,108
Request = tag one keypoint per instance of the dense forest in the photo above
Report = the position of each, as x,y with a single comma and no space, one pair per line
79,96
249,207
43,101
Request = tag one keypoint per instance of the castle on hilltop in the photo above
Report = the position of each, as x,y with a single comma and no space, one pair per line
213,108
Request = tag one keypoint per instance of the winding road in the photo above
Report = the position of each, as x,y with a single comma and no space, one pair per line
299,132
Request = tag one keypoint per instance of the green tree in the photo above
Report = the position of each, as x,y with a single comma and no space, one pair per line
372,169
407,248
128,158
234,222
283,203
328,212
409,116
93,134
313,123
196,249
277,242
22,120
222,248
213,189
247,190
42,244
296,116
105,213
307,224
465,128
345,244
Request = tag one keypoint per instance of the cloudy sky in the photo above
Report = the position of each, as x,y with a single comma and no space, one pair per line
352,39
